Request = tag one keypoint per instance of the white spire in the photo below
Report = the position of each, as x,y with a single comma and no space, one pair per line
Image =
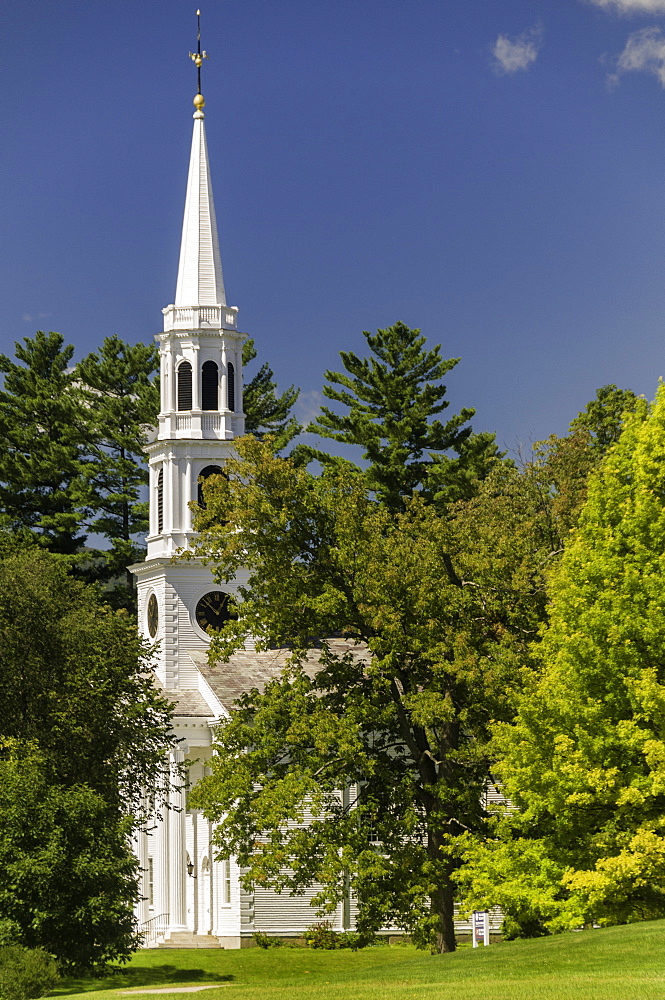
200,281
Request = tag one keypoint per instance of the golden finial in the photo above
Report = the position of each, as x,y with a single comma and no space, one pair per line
197,58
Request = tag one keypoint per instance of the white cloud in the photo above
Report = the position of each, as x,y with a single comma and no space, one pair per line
632,6
308,405
513,54
29,318
644,52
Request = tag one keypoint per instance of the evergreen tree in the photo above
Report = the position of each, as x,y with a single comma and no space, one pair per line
265,411
122,402
45,433
391,401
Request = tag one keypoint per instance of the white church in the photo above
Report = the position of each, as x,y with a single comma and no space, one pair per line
191,898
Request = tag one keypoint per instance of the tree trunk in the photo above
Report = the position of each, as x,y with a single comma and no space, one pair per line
442,898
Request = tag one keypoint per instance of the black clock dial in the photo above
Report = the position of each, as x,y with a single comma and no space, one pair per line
152,615
213,610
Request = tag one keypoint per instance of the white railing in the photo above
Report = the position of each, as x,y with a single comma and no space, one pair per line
211,422
154,929
200,317
183,422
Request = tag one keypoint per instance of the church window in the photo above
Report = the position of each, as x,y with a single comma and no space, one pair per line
209,384
160,502
210,470
184,386
226,881
231,388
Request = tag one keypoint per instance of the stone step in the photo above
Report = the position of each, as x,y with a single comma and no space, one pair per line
185,939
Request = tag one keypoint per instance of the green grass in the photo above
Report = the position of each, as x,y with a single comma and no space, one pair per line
619,963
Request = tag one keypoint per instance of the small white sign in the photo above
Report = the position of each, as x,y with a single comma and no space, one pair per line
480,927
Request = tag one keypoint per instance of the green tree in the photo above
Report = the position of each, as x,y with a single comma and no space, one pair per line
44,434
69,880
565,463
391,401
265,411
122,401
76,680
584,762
403,726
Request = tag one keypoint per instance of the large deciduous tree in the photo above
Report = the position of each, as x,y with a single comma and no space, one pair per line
444,628
390,403
75,680
584,762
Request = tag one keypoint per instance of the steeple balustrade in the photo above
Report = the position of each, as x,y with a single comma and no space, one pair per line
218,317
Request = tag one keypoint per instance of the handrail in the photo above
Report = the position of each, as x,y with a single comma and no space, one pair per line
153,929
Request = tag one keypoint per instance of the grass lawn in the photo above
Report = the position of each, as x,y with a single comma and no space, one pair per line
619,963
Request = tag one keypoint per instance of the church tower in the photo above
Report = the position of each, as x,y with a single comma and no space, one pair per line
201,413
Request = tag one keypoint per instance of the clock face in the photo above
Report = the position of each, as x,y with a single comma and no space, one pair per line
152,616
213,610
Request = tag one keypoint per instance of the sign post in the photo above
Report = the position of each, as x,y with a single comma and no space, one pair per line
480,928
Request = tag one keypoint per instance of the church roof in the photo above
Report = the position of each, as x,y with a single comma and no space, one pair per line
249,669
200,281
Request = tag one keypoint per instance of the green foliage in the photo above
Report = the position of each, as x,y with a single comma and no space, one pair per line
443,609
585,760
44,433
85,733
26,973
121,401
391,401
565,463
321,935
265,411
69,877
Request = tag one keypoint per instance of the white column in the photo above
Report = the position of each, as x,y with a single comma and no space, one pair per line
170,396
144,882
161,835
177,852
196,380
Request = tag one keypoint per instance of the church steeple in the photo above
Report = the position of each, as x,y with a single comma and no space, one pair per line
200,298
200,281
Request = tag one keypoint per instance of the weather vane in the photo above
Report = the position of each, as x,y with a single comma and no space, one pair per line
197,58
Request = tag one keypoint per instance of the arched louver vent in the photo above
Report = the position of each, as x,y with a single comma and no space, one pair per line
209,382
210,470
184,386
160,502
231,388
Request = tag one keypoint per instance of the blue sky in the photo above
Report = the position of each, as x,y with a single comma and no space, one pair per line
491,171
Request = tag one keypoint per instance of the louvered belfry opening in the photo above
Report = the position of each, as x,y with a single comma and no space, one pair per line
210,470
184,386
209,386
231,388
160,502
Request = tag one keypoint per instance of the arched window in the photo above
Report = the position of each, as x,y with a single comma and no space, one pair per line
209,383
184,386
160,502
210,470
230,387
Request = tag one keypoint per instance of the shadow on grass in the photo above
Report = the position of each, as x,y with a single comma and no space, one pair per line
156,975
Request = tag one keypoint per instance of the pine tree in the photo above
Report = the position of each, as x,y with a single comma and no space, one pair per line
391,401
45,432
122,400
265,411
